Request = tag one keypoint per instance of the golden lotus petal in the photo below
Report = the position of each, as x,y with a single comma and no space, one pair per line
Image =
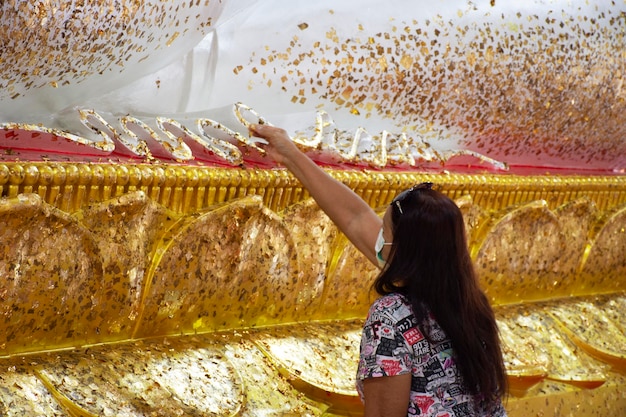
592,330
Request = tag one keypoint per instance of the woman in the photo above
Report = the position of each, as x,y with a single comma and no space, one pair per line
430,344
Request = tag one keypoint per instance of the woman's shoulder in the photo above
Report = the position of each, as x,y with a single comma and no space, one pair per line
397,307
390,303
391,299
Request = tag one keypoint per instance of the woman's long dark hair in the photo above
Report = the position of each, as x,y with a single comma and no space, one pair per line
429,263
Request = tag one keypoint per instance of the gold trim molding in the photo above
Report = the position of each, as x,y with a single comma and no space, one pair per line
185,189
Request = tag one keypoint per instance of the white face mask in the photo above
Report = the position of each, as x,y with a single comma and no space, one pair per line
378,248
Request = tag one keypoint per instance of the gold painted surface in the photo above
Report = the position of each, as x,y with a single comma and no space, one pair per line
551,398
592,330
242,272
553,352
267,392
22,393
165,379
299,351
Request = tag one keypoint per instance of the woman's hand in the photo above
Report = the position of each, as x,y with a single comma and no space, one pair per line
279,146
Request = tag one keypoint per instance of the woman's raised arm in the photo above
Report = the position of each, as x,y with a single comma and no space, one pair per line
352,215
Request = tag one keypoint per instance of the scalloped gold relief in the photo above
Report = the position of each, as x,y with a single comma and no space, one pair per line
51,278
565,362
577,218
266,392
614,307
319,359
266,260
519,258
145,378
350,277
526,364
591,329
218,375
604,268
313,234
126,230
553,398
473,217
215,269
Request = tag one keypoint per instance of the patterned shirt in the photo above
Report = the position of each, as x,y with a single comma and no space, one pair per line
394,343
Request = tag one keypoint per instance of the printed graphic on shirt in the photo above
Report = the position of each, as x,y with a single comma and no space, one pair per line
386,347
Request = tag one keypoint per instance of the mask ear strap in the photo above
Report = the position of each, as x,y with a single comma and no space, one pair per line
380,241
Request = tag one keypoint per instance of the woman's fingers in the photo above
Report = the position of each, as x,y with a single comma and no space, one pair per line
276,142
266,131
259,131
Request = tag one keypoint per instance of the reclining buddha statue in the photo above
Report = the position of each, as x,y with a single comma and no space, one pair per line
156,263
